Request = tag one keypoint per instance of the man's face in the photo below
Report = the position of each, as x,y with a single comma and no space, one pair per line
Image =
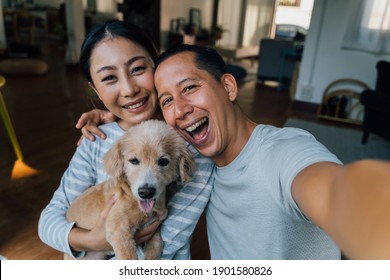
194,103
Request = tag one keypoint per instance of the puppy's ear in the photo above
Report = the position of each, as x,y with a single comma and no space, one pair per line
187,165
113,160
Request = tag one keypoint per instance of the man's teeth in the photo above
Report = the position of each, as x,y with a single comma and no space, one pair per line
196,125
135,105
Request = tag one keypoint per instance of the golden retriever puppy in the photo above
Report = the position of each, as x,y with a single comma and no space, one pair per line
142,163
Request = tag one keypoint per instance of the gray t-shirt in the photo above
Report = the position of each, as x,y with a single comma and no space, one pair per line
251,213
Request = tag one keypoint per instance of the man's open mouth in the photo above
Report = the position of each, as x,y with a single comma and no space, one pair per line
198,130
146,205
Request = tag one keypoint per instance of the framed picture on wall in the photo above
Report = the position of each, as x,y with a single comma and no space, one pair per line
196,19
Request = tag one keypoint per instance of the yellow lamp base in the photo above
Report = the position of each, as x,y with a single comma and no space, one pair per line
22,170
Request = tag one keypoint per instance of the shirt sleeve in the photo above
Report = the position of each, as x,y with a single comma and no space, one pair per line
296,154
185,209
53,228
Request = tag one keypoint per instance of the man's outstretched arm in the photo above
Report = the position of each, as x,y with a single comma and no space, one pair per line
351,203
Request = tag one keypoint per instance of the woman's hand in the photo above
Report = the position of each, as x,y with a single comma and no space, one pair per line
89,121
95,239
146,232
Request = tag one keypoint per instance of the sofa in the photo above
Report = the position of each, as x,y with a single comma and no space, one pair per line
277,58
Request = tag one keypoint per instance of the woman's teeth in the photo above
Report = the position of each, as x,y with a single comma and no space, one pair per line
134,106
196,125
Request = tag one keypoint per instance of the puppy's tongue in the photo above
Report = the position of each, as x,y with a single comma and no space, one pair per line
146,205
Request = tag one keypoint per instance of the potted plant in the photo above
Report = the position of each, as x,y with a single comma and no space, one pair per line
218,31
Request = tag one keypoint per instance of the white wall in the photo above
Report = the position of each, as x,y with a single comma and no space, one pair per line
106,6
323,60
229,14
75,29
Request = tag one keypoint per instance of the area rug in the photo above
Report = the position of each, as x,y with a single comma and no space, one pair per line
345,143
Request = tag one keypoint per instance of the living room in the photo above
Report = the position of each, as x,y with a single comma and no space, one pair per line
44,108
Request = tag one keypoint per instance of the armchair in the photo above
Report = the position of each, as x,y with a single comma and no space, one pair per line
377,104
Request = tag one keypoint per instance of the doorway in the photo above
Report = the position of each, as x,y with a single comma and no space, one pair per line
292,19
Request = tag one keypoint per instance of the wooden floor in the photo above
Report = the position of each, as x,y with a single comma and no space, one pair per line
44,110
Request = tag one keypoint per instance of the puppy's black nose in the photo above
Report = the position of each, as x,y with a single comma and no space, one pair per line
146,192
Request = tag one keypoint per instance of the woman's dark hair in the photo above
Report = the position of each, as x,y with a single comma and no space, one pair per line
113,28
205,58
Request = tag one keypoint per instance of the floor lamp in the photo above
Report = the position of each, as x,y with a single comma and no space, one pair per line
20,169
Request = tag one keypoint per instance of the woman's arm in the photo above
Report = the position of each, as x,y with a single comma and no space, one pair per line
95,239
53,228
185,209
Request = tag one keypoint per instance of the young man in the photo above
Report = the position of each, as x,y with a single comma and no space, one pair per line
278,193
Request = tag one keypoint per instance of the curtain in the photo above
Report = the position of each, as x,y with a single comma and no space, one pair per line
369,27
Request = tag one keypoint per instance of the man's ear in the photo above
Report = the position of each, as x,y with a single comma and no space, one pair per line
94,89
230,84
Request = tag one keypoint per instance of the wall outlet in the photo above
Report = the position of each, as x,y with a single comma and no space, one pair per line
307,92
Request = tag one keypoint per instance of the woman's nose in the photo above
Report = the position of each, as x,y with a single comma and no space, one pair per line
129,87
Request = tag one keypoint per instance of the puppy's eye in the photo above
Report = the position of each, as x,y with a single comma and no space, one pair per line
134,161
163,161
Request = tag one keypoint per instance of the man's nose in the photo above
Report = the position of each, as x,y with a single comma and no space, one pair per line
182,108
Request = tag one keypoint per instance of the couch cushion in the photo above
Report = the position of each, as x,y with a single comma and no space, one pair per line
376,101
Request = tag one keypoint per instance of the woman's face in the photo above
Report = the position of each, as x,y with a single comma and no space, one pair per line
122,76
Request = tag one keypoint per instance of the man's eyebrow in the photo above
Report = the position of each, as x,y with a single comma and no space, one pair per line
185,80
161,95
177,85
129,62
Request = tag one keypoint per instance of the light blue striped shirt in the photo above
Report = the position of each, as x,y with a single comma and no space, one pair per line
86,170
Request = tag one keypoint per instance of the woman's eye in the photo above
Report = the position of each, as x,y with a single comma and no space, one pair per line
108,78
137,69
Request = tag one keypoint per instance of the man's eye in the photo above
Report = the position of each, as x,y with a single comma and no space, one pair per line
189,88
166,101
134,161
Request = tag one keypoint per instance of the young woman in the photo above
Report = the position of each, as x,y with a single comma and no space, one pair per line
117,60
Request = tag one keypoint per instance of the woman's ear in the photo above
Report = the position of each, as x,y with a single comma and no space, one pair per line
230,84
94,89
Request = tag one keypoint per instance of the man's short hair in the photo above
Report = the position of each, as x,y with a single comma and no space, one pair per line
205,58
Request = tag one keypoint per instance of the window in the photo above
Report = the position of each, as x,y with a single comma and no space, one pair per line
369,27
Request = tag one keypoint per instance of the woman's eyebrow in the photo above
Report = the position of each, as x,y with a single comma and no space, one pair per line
133,59
129,62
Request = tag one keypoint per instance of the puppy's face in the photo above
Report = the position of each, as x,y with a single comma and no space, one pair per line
149,169
149,156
